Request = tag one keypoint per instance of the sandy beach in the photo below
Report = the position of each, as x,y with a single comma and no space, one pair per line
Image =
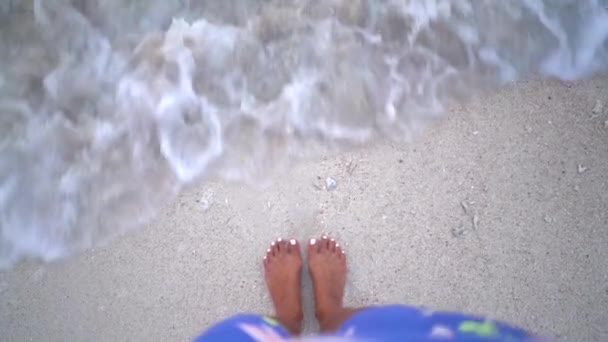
500,209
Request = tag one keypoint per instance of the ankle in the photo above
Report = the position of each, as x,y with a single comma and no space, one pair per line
333,319
297,317
326,314
293,326
327,305
292,321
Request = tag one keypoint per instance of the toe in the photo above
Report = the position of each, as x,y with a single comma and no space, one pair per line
281,247
293,247
274,248
268,254
339,251
324,243
332,245
313,246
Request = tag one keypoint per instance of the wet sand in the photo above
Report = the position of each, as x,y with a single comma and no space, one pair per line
501,209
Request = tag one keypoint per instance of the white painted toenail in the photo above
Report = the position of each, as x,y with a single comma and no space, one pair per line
279,240
332,240
273,243
324,237
292,242
313,241
265,258
268,250
337,245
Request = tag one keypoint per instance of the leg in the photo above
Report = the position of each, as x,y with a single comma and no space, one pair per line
327,264
282,271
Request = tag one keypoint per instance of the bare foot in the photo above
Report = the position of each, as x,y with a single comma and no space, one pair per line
327,263
283,268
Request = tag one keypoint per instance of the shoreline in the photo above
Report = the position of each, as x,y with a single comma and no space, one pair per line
499,209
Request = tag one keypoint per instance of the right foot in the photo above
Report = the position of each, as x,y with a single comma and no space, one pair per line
327,264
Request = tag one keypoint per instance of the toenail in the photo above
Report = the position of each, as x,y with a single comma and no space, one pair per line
332,240
272,243
337,245
268,250
279,240
324,237
313,241
292,242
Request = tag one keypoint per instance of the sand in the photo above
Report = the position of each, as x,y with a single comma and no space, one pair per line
529,163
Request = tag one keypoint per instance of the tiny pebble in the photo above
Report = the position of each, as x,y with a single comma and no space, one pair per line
581,168
465,207
458,232
598,108
330,184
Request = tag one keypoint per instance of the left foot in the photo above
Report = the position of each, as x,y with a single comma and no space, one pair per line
283,268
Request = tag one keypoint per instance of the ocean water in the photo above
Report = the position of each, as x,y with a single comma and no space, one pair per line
109,107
